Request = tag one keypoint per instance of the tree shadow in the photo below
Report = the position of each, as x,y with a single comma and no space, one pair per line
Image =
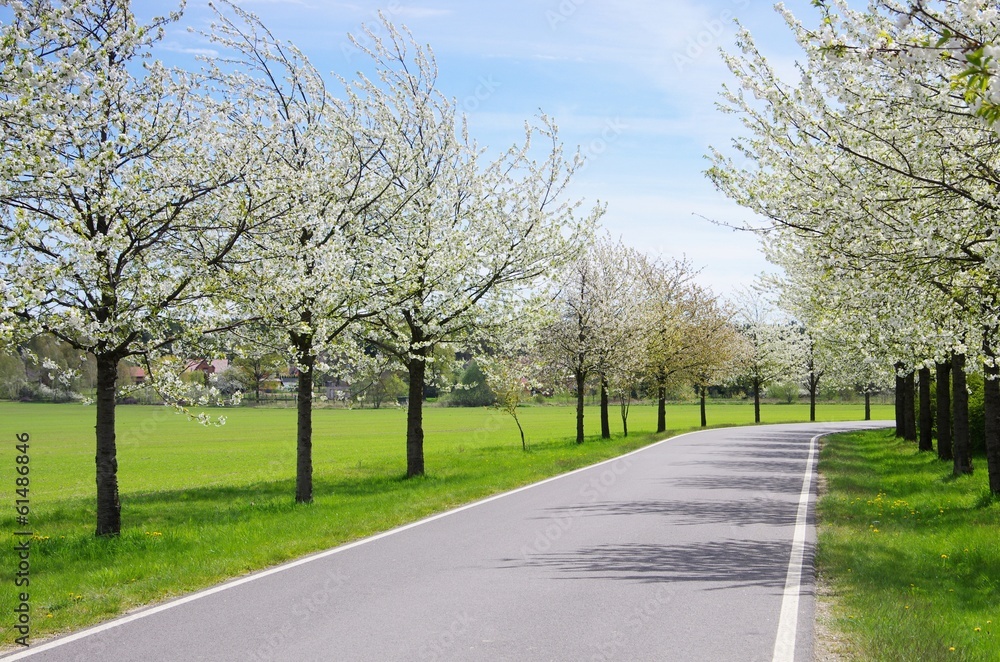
730,563
790,454
215,504
745,512
779,483
749,466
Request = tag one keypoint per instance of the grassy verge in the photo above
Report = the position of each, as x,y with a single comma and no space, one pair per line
204,504
910,554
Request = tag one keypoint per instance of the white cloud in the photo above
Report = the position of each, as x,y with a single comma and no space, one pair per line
174,47
416,12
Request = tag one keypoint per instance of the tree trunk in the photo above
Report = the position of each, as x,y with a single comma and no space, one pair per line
704,419
960,418
581,379
109,509
991,411
524,444
909,409
303,448
944,411
417,368
926,416
756,400
868,405
813,389
900,407
624,407
605,418
661,408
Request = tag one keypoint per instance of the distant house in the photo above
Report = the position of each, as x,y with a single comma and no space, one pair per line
137,374
334,388
337,389
207,367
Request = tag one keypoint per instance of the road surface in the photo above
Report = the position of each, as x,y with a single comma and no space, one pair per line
697,548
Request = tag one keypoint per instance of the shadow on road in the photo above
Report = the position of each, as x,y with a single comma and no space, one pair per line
783,484
744,512
720,565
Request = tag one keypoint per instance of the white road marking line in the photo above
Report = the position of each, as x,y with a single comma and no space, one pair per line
784,643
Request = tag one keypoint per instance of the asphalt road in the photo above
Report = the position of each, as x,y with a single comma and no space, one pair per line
681,551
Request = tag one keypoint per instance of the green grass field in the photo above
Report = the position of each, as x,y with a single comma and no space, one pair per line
203,504
911,554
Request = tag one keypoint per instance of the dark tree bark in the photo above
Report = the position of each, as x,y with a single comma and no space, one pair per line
306,358
704,418
991,410
756,400
868,405
581,379
813,390
605,417
909,409
661,408
960,417
926,415
624,410
109,509
900,407
417,369
303,446
944,411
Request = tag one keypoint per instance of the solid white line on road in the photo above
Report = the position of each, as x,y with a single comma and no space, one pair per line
55,643
788,621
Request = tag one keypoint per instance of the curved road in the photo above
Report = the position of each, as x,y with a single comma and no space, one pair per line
696,548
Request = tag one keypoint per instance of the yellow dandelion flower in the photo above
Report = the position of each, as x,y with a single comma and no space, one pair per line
944,556
977,629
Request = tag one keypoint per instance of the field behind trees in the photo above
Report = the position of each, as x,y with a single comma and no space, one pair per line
207,503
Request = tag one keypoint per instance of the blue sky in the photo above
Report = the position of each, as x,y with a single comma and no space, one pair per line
633,84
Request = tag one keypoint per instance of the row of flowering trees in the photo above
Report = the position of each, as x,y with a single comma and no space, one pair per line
877,172
149,212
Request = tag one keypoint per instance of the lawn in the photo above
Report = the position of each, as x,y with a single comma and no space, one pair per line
201,504
911,555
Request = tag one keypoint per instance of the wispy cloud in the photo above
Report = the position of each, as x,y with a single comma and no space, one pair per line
174,47
271,2
405,12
